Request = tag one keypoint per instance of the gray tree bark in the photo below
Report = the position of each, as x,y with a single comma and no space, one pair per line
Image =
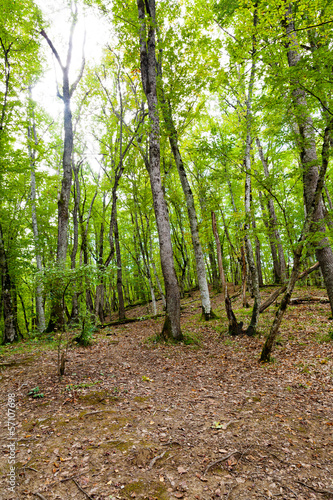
251,330
312,212
119,271
10,333
309,160
192,216
57,313
146,12
279,262
32,135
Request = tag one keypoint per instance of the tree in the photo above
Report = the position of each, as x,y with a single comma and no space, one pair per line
20,64
57,313
147,19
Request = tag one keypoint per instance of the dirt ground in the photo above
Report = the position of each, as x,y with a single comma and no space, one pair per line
132,418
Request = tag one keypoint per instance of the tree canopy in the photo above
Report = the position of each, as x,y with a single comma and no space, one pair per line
194,108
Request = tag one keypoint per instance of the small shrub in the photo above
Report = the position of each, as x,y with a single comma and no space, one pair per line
87,332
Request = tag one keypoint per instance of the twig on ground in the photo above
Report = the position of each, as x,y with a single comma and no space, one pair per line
170,443
154,460
322,492
39,495
220,460
286,487
94,412
81,489
30,468
66,479
72,478
230,490
280,459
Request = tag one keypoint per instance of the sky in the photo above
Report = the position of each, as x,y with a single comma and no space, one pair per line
98,34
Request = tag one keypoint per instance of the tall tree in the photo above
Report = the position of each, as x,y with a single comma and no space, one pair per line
57,313
33,144
146,11
308,155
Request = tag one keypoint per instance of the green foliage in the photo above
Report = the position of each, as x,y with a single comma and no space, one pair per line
87,332
35,393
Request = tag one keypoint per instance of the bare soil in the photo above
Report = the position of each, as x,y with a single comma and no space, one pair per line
132,418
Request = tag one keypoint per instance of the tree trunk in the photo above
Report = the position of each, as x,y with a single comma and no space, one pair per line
99,299
75,301
192,216
119,271
279,262
309,161
251,330
159,286
258,253
235,328
32,135
307,228
171,326
57,313
10,333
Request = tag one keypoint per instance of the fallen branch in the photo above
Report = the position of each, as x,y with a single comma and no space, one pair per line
77,484
94,412
237,294
278,292
322,492
154,460
286,487
81,489
220,460
130,320
39,495
300,300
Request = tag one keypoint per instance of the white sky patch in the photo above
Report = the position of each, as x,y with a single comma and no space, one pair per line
90,25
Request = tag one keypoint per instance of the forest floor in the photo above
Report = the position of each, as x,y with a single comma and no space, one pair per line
132,418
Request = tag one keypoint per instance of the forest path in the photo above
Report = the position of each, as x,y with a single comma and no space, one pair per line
136,419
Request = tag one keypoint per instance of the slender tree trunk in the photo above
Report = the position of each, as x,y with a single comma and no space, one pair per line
212,261
57,308
171,326
145,255
75,301
279,262
251,330
119,271
84,252
244,276
99,299
158,282
235,328
309,161
10,333
312,212
192,216
32,135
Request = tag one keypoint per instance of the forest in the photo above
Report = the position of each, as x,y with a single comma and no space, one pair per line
166,191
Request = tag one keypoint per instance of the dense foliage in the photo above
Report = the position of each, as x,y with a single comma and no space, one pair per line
243,98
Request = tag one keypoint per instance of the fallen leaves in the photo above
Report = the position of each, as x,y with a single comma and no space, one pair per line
181,470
